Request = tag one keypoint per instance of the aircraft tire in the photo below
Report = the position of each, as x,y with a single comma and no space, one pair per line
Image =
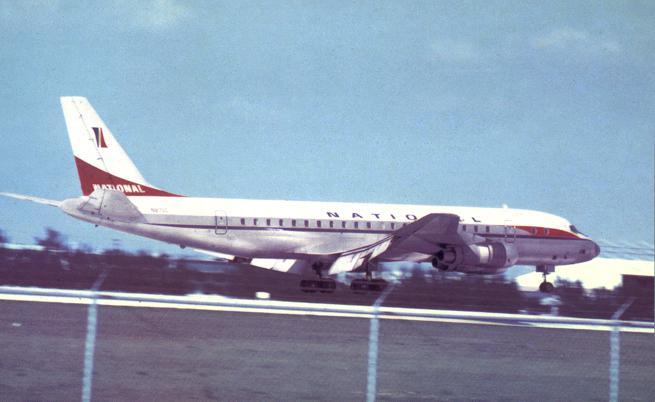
546,287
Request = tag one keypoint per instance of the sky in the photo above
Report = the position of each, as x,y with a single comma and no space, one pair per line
538,105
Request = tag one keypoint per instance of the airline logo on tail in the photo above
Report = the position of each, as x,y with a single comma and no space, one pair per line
123,188
100,137
101,166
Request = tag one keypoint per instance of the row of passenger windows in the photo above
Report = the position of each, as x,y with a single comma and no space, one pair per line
319,224
487,229
306,223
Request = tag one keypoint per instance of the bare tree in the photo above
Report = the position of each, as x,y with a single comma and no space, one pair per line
53,240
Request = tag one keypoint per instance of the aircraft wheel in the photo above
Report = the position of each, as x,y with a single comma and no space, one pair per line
546,287
327,285
323,285
361,286
377,285
308,285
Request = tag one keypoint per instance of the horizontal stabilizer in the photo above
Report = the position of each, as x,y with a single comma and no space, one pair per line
38,200
112,204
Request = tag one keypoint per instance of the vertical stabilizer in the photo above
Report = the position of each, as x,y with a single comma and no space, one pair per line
101,161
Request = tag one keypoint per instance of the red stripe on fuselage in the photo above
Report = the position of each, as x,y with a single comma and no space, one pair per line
547,232
92,178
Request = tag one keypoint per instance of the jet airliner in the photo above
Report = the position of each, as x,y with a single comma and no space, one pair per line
319,239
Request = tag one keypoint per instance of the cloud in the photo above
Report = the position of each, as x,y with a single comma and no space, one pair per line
158,15
574,40
454,51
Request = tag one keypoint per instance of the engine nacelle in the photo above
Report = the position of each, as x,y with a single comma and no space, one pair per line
484,258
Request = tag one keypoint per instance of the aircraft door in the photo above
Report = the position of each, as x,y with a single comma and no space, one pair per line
510,231
220,223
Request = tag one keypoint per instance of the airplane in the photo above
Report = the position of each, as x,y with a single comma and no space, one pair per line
319,239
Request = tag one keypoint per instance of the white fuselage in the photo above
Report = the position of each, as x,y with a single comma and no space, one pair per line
294,229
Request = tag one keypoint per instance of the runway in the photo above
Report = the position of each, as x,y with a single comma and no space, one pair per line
214,348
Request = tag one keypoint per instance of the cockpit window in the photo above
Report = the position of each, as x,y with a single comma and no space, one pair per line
576,231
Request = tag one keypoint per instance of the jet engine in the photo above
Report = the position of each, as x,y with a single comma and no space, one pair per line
482,258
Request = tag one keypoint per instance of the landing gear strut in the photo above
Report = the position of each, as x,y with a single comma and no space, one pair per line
546,286
368,283
323,285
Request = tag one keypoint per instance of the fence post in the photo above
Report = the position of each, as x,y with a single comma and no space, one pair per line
89,347
371,382
615,351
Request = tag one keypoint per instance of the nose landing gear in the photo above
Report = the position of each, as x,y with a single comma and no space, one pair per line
545,286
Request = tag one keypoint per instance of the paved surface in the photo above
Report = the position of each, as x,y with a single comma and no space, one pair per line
172,355
41,349
473,362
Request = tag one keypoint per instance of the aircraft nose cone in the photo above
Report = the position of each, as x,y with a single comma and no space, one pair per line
596,249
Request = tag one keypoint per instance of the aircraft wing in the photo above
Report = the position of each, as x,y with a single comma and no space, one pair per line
53,203
425,236
429,233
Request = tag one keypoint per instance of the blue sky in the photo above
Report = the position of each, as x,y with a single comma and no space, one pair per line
540,106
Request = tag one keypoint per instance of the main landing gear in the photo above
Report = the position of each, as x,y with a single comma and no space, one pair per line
545,286
368,283
323,285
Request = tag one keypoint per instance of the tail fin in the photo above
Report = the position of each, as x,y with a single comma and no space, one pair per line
101,161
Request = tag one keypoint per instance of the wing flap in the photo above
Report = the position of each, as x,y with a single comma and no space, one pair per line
352,260
280,265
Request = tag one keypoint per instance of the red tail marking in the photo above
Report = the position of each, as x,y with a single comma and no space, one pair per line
91,178
103,144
